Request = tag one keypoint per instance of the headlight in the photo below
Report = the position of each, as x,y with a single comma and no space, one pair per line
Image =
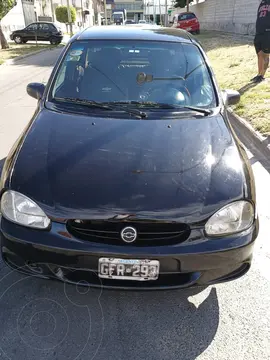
232,218
22,210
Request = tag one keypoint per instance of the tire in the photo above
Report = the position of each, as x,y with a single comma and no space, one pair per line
24,41
54,41
18,39
198,32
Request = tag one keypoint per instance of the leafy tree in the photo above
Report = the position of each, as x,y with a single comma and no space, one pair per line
5,6
182,4
61,13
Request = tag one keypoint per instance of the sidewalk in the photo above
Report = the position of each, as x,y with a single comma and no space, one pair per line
17,52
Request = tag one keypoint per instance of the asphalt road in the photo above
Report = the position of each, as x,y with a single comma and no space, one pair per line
45,320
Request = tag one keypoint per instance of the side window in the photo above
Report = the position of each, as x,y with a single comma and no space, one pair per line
51,27
32,27
44,27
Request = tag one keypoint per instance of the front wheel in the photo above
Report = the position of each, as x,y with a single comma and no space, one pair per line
18,39
198,32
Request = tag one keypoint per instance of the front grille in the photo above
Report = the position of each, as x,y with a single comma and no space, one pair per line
149,233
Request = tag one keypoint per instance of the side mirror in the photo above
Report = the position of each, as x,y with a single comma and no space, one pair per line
35,90
231,97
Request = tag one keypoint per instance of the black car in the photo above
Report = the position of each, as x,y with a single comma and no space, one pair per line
129,174
40,31
130,22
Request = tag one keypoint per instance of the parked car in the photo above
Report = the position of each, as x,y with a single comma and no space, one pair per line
40,31
130,22
129,174
187,21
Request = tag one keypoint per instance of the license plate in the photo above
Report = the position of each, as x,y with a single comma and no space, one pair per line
128,269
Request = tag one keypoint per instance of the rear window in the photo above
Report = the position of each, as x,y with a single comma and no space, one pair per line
186,16
108,71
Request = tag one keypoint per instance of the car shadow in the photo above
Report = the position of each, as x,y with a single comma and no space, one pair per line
159,325
247,87
46,58
72,322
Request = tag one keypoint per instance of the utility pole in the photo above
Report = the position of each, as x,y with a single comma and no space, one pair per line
160,18
187,5
53,19
105,12
82,12
69,18
166,13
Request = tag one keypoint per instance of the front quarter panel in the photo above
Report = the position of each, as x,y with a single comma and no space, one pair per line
12,156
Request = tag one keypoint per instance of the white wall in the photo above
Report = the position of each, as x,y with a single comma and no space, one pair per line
14,20
238,16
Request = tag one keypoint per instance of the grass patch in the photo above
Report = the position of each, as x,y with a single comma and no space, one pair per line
19,50
234,62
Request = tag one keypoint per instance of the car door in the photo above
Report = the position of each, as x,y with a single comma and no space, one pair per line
44,32
30,32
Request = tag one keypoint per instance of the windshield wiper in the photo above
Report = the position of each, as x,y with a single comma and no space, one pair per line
197,109
157,105
100,105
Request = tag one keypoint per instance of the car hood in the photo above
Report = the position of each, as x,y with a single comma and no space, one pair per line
78,166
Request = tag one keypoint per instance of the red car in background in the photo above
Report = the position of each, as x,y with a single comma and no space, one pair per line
187,21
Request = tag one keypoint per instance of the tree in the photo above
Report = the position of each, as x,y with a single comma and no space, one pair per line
182,4
61,13
5,6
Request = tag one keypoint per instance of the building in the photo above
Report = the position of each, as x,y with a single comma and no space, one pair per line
134,8
155,10
18,17
86,11
137,10
27,11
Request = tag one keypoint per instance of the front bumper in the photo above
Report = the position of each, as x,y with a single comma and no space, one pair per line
57,254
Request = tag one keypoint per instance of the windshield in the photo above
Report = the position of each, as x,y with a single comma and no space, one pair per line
186,17
117,16
134,71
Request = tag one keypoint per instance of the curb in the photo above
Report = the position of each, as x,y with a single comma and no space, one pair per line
18,58
253,137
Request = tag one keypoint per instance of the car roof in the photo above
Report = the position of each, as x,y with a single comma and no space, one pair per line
42,22
150,32
186,12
